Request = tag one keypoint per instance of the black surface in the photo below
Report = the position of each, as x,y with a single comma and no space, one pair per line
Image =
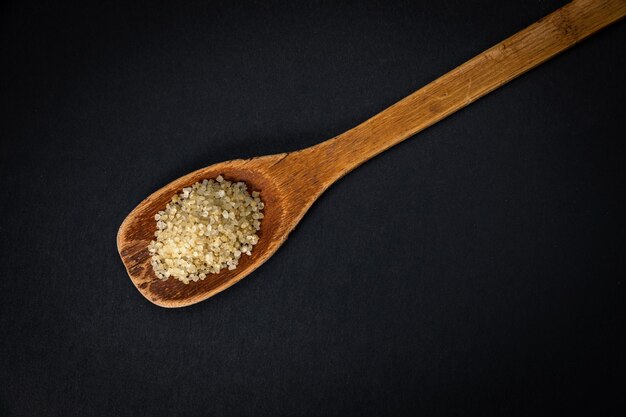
472,270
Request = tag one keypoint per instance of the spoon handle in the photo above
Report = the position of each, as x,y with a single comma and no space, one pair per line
461,86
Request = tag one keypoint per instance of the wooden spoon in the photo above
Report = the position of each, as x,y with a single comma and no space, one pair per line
290,182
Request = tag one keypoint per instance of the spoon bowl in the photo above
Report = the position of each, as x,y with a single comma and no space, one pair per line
289,183
137,231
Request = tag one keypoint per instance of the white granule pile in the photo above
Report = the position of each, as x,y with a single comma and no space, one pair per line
207,227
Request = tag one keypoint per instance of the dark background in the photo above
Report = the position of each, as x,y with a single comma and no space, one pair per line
472,270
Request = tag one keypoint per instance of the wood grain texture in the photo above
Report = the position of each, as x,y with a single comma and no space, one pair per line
290,183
